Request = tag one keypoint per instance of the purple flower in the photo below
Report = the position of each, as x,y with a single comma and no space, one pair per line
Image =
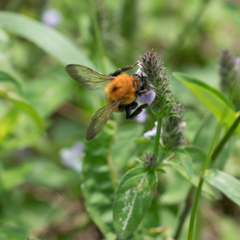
51,17
147,97
71,157
142,116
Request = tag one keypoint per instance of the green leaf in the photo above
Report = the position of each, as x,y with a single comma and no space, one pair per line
225,183
7,123
194,181
48,39
98,188
24,105
127,133
205,132
233,13
198,157
46,173
4,77
133,197
186,161
214,100
223,157
13,177
13,233
203,138
48,94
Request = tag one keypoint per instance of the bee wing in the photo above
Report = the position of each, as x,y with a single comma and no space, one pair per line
88,78
100,118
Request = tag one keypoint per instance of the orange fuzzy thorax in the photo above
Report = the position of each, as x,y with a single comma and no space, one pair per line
122,87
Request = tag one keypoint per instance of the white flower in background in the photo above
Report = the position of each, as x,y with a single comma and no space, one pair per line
152,132
140,72
51,17
142,117
71,157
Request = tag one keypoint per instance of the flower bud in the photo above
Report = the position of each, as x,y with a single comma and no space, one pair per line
152,68
150,161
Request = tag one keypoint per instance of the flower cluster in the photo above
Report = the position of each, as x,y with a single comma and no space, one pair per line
162,102
172,129
229,76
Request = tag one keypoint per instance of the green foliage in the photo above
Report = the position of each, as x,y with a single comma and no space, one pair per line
12,233
127,133
97,184
214,100
13,177
54,44
186,161
194,180
133,197
41,197
225,183
203,137
19,101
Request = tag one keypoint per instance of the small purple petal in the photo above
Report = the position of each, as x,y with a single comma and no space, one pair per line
51,17
147,97
142,116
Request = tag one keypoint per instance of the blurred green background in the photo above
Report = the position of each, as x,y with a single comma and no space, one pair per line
40,193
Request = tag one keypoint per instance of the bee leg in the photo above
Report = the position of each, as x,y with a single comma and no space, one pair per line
133,105
120,70
128,107
137,111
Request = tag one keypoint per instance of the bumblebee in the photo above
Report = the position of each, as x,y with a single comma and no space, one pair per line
121,92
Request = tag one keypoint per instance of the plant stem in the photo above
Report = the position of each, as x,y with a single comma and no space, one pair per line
188,204
199,189
194,209
156,146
